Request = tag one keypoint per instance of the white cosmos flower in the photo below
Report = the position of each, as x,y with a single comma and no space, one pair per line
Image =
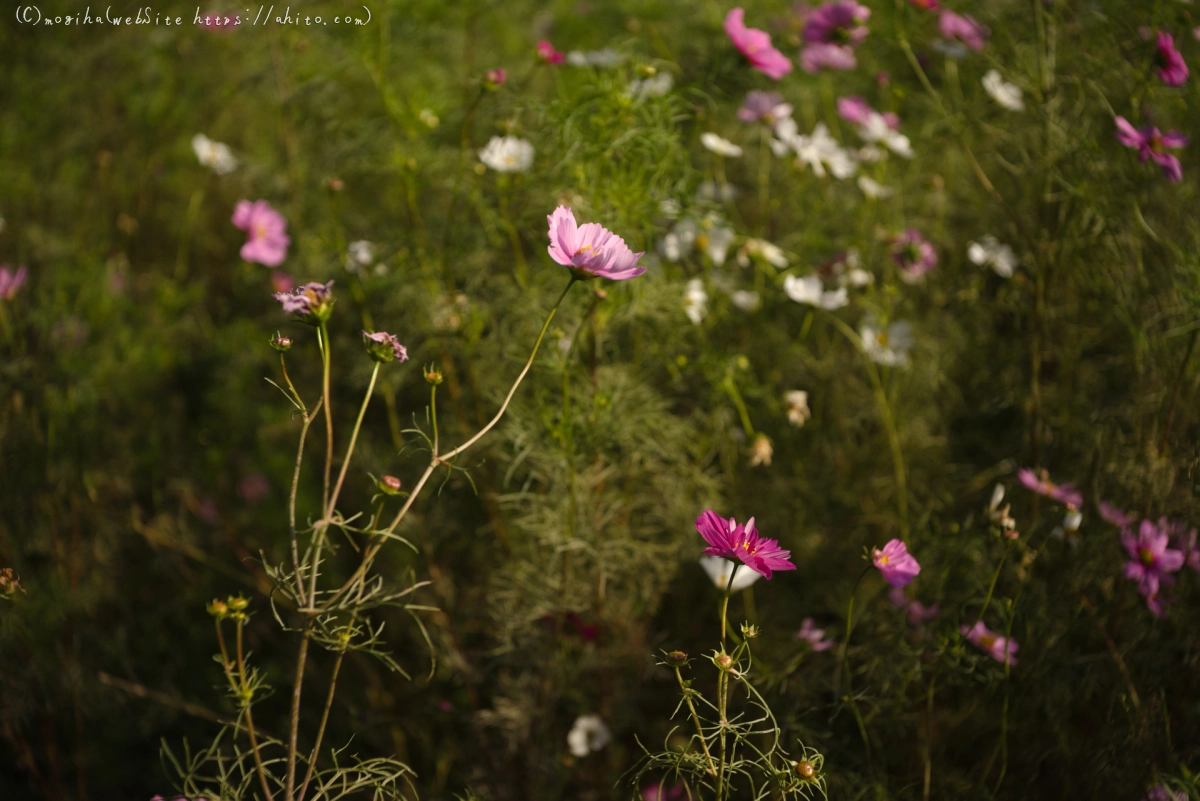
587,735
798,412
358,255
745,300
988,252
722,147
764,250
655,86
715,238
607,57
214,155
761,451
818,150
1006,94
811,291
872,188
876,130
1000,514
695,301
718,570
888,346
507,154
849,270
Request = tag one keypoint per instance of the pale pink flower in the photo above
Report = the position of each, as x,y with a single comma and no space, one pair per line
1040,483
841,23
813,635
1113,514
964,28
1171,66
756,46
913,255
11,281
590,249
548,54
253,488
767,107
267,240
1002,649
1151,143
1151,562
898,567
816,57
282,282
384,347
856,110
916,612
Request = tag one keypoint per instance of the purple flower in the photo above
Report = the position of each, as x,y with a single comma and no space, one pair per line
590,249
855,110
727,539
267,240
1185,538
1160,792
765,107
1040,483
1151,143
895,563
839,23
815,636
1171,67
756,46
916,612
660,792
913,255
1112,514
313,300
1150,560
964,28
11,281
999,648
817,57
384,347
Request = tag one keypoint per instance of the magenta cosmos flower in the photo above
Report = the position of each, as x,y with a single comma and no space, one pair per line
313,300
1114,514
1184,538
1171,67
856,111
999,648
590,249
1150,143
916,612
384,347
813,635
964,28
831,33
765,107
896,564
1040,483
913,255
728,540
1151,562
548,54
756,46
11,281
266,241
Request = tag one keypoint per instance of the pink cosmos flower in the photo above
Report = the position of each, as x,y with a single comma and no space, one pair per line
282,282
895,563
728,540
384,347
11,281
1151,562
916,612
494,79
590,249
913,255
815,636
756,46
927,5
964,28
1150,143
856,111
548,54
1160,792
267,240
309,299
1171,67
765,107
1113,514
1040,483
660,792
840,22
816,57
999,648
1184,538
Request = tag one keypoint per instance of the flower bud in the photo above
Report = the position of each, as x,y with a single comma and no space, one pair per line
238,604
336,185
749,631
384,347
281,343
433,375
723,661
806,770
494,79
389,485
676,657
218,609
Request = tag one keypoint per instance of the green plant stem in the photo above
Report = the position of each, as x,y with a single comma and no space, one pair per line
308,418
312,760
732,390
301,658
323,341
845,666
433,413
725,602
992,587
287,380
687,696
246,701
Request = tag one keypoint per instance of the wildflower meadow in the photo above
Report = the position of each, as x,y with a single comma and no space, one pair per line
651,400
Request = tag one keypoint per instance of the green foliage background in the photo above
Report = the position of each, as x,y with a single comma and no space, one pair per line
132,399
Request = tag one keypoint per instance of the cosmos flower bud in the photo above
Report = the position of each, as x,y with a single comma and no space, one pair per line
433,375
389,485
750,631
806,770
238,603
336,185
218,609
723,661
281,343
494,79
677,657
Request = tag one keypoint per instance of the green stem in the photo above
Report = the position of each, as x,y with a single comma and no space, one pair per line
992,587
323,341
849,695
433,414
687,696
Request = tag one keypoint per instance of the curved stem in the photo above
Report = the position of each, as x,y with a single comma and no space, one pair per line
241,666
687,696
433,412
862,727
308,418
323,340
353,439
992,587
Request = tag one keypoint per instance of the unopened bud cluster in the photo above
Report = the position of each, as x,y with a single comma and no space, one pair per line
232,608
